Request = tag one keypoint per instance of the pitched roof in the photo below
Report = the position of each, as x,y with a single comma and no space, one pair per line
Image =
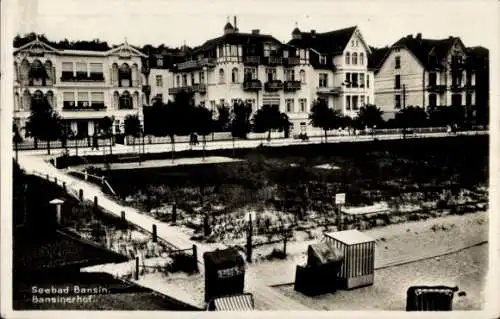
328,42
422,48
237,38
377,56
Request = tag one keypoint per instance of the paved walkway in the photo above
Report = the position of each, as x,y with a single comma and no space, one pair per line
265,296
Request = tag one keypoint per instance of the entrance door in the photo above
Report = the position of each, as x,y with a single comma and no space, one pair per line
83,128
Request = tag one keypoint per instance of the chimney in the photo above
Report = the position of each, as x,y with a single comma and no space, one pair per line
255,31
235,25
313,33
419,36
409,36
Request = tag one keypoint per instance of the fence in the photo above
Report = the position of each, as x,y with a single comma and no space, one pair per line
29,143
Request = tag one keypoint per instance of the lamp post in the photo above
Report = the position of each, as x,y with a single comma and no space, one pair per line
57,203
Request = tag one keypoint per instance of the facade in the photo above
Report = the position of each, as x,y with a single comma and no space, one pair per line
425,73
82,86
260,70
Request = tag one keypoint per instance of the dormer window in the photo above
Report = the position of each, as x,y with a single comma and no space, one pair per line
322,59
159,62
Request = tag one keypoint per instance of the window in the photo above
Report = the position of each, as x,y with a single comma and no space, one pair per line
322,59
68,100
302,75
397,62
97,99
368,81
355,104
347,102
368,99
347,58
221,76
184,80
178,81
234,101
234,51
159,81
271,74
289,105
362,58
348,79
397,101
354,79
289,75
201,76
468,99
96,71
362,100
67,70
212,105
192,78
251,102
432,100
323,80
397,81
456,99
202,103
159,62
126,101
222,102
354,58
303,105
81,70
221,51
159,97
361,80
234,75
83,100
250,74
468,78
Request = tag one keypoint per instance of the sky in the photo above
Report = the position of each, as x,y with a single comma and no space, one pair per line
175,22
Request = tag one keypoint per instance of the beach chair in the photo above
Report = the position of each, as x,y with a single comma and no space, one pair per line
430,298
239,302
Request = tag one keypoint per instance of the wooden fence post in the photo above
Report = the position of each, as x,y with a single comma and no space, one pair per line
64,186
80,195
195,258
249,239
55,180
136,268
95,205
155,235
123,220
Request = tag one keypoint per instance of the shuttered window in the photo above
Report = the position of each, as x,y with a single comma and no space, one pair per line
67,67
95,67
97,97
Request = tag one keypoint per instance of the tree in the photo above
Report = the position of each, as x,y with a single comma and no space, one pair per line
132,126
240,119
204,124
223,118
411,117
323,117
106,125
268,118
16,139
446,115
370,116
44,123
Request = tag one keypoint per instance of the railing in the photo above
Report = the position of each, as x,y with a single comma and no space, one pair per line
84,109
274,85
335,90
251,60
436,88
252,85
274,60
195,64
199,87
292,61
457,87
177,90
83,79
292,85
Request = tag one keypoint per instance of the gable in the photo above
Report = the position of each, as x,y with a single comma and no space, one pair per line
387,66
458,48
361,43
125,51
36,48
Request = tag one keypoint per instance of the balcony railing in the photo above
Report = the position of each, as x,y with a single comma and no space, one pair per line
292,85
470,87
199,87
93,77
292,61
76,108
274,85
333,90
274,60
457,87
251,60
37,82
435,88
252,85
179,89
196,64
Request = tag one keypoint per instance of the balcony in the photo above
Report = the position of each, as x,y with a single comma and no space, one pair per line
200,88
274,85
179,89
456,88
291,61
93,77
251,60
434,88
274,60
292,85
196,64
333,90
458,65
252,85
79,108
37,82
470,87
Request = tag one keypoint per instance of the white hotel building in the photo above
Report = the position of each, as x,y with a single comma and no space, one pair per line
260,70
82,86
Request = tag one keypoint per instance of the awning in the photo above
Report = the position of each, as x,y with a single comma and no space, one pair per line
242,302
